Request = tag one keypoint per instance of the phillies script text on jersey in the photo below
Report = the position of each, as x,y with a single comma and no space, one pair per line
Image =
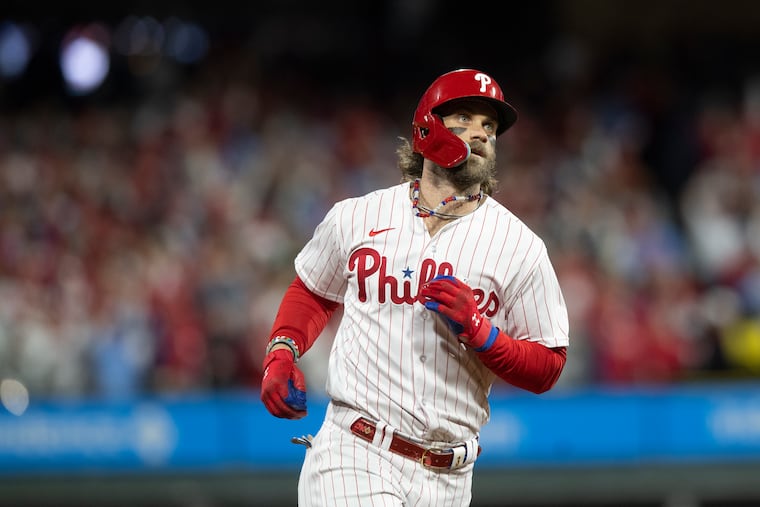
370,267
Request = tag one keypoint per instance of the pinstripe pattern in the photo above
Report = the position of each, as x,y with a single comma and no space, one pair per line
342,470
392,358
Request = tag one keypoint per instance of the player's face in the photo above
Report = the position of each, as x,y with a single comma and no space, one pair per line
475,123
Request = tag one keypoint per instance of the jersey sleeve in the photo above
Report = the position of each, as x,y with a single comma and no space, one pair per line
320,264
538,312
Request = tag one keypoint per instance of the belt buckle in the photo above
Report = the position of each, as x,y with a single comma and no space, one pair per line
425,453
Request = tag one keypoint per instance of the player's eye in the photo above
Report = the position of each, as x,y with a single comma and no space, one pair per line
464,117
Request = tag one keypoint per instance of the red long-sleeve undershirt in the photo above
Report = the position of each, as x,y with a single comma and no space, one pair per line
528,365
302,315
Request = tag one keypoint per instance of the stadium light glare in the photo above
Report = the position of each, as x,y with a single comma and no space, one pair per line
187,42
15,50
14,396
84,61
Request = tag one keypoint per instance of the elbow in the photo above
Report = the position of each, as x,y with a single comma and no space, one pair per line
547,386
542,389
538,386
553,374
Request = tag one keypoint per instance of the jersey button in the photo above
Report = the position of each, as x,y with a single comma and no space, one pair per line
423,359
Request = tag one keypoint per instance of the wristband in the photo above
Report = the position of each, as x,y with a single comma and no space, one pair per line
285,340
489,341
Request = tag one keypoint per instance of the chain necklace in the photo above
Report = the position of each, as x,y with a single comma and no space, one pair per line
423,211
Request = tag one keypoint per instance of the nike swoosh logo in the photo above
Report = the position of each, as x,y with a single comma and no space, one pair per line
374,232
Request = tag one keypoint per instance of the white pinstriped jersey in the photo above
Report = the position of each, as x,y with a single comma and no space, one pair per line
393,359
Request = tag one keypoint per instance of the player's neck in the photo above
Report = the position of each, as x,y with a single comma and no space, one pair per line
445,204
434,188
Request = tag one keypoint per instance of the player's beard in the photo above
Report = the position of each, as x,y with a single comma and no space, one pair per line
476,170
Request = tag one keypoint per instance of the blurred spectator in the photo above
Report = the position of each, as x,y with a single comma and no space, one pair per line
144,247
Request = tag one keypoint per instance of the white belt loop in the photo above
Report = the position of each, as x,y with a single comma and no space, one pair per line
379,433
472,451
464,454
383,435
389,431
460,456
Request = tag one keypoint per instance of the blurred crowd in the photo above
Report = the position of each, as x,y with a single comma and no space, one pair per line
144,247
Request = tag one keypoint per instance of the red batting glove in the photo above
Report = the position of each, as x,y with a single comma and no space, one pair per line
454,300
283,388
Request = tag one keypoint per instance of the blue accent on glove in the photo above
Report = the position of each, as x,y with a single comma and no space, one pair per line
433,305
489,341
455,326
296,398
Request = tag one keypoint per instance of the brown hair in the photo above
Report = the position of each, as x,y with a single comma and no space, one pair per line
409,162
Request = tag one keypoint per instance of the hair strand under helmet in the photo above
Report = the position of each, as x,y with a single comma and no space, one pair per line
431,138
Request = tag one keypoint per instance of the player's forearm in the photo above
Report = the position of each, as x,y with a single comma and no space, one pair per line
302,315
524,364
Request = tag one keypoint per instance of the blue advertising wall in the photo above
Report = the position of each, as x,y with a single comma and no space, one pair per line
695,424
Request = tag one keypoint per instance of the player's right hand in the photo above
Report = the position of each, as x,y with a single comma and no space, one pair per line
283,388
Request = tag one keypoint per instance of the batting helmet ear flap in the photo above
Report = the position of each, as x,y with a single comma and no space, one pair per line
438,144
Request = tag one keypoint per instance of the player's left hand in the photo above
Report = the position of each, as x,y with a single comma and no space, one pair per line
283,388
454,299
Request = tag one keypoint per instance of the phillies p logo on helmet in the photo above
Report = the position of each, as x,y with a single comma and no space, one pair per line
484,79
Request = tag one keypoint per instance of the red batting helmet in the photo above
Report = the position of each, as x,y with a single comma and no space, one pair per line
431,138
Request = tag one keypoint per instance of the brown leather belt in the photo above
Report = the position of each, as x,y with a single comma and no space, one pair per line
429,457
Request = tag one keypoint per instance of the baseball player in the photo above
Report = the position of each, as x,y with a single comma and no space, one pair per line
443,291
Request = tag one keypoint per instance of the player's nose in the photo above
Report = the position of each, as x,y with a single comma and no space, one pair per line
479,131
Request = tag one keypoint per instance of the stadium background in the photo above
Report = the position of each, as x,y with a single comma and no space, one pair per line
148,226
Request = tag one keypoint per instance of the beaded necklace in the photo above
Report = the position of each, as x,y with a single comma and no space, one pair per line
423,211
